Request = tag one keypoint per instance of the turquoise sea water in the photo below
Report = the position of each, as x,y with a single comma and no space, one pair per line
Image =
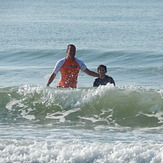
121,124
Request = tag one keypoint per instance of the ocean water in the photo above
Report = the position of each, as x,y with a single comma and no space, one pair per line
122,124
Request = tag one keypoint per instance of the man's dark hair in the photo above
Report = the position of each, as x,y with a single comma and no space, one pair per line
71,45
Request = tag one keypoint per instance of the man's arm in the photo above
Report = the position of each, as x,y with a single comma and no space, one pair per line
91,73
51,79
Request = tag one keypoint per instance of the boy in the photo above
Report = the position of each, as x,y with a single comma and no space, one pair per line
103,79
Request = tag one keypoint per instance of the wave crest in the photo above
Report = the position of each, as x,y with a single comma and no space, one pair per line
90,107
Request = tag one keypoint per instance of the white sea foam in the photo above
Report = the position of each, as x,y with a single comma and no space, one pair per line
79,152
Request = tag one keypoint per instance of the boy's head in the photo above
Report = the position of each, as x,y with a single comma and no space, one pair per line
102,68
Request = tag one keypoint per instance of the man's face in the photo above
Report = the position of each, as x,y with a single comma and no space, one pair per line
71,51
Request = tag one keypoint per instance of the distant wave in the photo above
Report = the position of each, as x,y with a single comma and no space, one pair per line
113,58
102,106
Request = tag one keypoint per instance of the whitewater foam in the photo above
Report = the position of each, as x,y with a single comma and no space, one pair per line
105,105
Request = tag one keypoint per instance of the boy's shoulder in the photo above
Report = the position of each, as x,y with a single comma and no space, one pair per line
108,77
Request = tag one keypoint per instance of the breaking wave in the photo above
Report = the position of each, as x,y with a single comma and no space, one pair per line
89,107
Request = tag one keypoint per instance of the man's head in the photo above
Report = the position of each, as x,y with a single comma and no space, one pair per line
71,51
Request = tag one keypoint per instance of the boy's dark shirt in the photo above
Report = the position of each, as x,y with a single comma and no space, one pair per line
103,81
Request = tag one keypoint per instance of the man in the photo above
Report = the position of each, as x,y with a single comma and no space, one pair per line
103,79
69,68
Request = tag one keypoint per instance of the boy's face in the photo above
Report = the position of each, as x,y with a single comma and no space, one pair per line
101,71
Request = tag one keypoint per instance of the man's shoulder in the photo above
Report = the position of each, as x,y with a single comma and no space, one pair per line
81,64
78,60
61,60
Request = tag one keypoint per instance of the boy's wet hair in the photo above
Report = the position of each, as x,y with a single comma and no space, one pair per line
103,66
